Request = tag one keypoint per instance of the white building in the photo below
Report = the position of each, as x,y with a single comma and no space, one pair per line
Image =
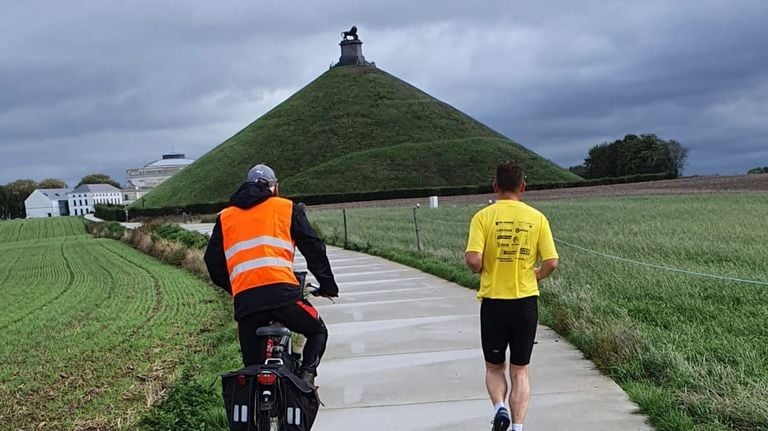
83,198
132,195
151,175
47,203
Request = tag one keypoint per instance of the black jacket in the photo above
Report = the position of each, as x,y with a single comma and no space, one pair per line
275,295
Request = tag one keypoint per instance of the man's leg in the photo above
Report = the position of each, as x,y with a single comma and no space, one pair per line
493,334
303,318
522,334
520,394
496,382
252,346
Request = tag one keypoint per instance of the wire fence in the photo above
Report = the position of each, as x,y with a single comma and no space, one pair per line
410,229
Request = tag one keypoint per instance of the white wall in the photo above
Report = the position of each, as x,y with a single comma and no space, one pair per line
38,205
83,203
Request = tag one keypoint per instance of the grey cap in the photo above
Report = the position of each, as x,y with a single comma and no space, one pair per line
262,172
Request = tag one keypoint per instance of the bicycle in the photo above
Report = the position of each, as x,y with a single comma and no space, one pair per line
281,362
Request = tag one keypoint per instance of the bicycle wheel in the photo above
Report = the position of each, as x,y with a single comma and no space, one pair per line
269,421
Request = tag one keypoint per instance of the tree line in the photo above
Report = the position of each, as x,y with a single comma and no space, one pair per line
13,194
633,155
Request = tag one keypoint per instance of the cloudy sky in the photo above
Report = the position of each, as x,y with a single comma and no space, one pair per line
103,86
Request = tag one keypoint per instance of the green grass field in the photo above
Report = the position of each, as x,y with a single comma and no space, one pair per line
691,351
92,332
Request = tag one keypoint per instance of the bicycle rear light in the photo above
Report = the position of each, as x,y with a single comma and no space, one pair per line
266,378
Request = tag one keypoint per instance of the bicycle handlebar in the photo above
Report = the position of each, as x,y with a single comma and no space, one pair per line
311,289
314,290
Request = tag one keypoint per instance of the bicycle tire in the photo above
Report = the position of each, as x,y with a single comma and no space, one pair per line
269,423
272,420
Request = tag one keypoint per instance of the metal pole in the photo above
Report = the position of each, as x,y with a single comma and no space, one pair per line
344,213
416,225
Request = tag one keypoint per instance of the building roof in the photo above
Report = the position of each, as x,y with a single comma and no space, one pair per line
95,188
173,159
55,194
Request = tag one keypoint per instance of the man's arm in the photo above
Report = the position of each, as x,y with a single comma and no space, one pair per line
473,255
215,260
313,249
474,261
547,251
547,267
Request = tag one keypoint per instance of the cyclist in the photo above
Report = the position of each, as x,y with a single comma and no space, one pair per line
250,255
506,240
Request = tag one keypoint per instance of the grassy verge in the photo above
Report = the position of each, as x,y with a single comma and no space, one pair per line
690,351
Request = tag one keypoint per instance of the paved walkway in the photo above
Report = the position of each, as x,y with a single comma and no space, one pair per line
404,354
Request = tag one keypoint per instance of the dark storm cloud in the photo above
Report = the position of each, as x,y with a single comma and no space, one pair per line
106,86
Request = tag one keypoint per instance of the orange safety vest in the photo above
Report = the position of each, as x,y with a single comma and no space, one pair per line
258,244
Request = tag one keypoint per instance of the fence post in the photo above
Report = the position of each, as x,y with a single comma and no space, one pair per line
344,213
416,225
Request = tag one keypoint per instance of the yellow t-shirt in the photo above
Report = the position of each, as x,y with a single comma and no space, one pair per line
511,236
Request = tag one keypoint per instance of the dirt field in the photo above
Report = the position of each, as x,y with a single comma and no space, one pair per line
689,185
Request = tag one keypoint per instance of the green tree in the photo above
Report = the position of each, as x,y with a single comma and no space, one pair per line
579,170
17,192
758,170
677,156
98,179
52,183
4,201
635,155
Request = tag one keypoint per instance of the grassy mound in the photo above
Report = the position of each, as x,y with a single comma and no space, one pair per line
335,122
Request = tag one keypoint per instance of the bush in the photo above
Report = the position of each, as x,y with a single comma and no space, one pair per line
193,262
110,212
170,252
113,230
174,232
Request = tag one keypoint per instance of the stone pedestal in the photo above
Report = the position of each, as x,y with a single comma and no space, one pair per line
351,53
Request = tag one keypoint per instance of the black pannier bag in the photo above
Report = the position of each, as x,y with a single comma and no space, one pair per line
238,389
297,400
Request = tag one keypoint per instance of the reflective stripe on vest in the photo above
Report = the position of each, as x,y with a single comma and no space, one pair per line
258,245
259,263
262,240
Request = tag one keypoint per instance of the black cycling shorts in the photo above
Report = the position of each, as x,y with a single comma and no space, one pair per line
508,323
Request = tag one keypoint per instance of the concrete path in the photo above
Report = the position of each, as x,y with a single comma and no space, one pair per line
404,354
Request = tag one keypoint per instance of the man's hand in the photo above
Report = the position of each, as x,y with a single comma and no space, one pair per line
328,291
547,267
474,261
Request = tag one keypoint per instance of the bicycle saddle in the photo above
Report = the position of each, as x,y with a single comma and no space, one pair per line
273,331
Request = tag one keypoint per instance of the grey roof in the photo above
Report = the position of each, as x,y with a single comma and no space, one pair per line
55,194
96,188
170,162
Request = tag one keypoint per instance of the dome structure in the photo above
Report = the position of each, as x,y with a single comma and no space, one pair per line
153,174
170,160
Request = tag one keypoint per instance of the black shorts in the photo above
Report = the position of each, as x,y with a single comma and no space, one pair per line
508,322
